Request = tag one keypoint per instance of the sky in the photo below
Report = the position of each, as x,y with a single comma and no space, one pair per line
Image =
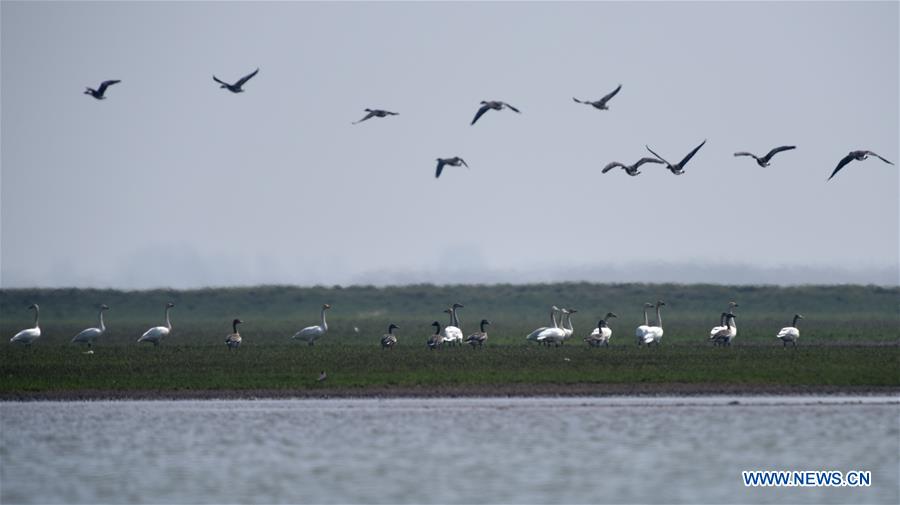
174,182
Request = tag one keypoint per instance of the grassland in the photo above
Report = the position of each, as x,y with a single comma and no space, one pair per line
849,342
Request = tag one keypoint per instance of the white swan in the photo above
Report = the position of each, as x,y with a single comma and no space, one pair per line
567,323
155,335
233,340
643,329
790,333
452,334
602,333
553,335
29,335
87,336
312,333
534,334
654,333
722,325
389,340
478,338
726,332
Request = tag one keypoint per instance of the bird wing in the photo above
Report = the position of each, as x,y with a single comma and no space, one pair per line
745,153
463,162
223,83
363,119
660,158
481,111
611,94
880,158
440,168
577,100
511,107
777,150
691,155
841,164
106,84
611,166
246,78
646,160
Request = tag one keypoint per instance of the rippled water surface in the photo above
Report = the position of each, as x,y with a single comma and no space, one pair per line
526,450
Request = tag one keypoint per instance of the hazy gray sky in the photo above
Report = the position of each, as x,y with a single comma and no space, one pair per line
172,181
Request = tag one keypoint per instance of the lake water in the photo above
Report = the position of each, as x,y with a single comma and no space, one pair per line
520,450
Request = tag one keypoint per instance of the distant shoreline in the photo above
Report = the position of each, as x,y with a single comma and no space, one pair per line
469,391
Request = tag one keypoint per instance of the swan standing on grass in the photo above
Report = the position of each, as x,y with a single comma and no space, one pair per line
155,335
312,333
477,339
722,324
389,340
534,334
567,323
87,336
233,341
553,335
655,333
29,335
452,334
642,330
436,339
726,332
790,333
601,334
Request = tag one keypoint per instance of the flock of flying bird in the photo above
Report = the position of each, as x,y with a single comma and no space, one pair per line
601,104
651,332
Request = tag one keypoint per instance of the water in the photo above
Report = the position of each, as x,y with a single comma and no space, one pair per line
525,450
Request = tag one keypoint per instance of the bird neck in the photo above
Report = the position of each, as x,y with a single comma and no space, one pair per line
168,321
658,316
324,324
553,319
37,314
794,324
482,327
454,317
646,318
234,326
102,326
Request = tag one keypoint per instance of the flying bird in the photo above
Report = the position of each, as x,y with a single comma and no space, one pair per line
679,168
631,170
601,103
98,93
494,104
855,155
236,87
764,161
453,162
376,113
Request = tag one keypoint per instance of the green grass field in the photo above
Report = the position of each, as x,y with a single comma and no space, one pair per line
848,339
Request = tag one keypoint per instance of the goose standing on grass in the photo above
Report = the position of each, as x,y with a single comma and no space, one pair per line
601,103
87,336
436,339
233,341
643,329
764,161
677,169
389,340
790,333
452,334
602,333
858,156
534,334
155,335
99,92
376,113
29,335
453,162
477,339
495,105
722,324
313,333
238,86
631,170
726,332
